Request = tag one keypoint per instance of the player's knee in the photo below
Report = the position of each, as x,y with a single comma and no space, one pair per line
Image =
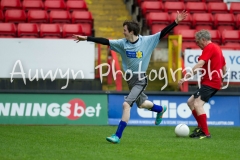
126,106
190,103
140,106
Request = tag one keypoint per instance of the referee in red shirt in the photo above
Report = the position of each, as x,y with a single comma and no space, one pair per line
213,63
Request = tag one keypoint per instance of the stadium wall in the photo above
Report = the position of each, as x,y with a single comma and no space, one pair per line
101,108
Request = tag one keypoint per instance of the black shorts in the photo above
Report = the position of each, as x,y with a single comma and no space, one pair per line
205,92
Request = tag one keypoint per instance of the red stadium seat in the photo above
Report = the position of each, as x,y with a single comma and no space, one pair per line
186,21
27,30
238,21
38,16
76,5
154,6
54,5
194,7
60,17
50,31
235,7
215,36
230,47
187,35
203,19
189,45
1,16
82,17
8,30
10,4
180,27
87,29
139,2
28,5
208,1
186,1
15,16
222,28
224,19
217,7
157,18
172,0
85,19
200,27
157,28
173,6
231,36
70,29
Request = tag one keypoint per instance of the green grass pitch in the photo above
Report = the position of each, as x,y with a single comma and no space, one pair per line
138,143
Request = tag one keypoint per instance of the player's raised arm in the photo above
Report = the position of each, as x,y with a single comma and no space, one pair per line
180,16
100,40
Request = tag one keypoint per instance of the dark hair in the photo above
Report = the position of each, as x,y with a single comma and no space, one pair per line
132,26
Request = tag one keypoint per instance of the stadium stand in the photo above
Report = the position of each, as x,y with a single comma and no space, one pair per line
217,16
37,12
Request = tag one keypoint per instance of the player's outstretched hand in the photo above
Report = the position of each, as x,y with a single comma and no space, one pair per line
181,16
180,82
79,38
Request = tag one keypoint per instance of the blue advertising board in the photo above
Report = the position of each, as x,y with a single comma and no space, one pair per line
220,111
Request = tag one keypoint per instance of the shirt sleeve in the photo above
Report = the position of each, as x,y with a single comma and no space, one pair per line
117,45
206,54
153,40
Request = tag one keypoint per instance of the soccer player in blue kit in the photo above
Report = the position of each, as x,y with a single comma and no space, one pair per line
136,51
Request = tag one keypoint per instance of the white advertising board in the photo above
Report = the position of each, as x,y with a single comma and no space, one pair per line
46,58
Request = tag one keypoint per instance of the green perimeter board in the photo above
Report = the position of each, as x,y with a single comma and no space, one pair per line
53,109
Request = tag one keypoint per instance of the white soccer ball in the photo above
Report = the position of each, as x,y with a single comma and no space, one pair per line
182,130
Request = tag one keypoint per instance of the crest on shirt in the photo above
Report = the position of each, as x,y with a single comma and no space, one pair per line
134,54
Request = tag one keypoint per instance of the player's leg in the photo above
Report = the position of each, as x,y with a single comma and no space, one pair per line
205,93
136,88
115,138
190,103
202,117
142,102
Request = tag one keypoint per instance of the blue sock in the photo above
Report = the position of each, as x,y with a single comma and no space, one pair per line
156,108
121,127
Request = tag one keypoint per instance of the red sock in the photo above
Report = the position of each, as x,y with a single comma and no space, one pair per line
203,122
196,117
